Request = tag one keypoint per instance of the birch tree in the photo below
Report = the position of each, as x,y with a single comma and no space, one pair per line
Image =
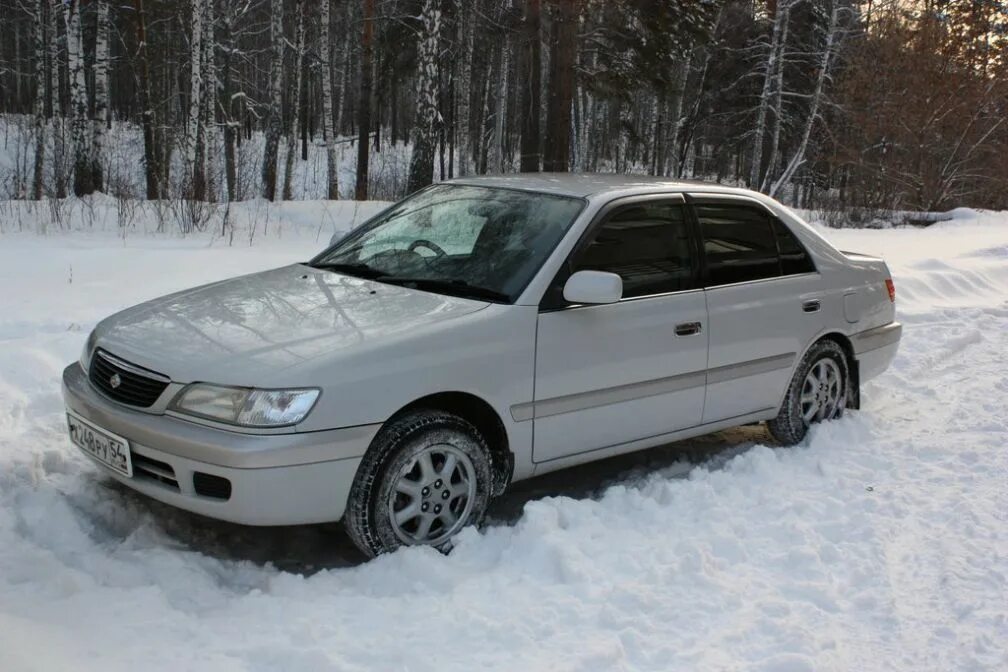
83,182
421,171
780,19
194,139
232,125
206,155
332,166
496,158
364,100
274,111
152,170
463,116
58,127
826,58
292,135
38,40
101,95
778,102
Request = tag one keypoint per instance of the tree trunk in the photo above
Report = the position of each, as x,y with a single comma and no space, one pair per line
466,64
364,101
39,106
59,177
531,138
232,128
101,93
773,159
83,182
151,166
421,172
332,167
344,88
194,136
827,55
676,117
292,134
208,110
756,168
561,86
497,143
274,122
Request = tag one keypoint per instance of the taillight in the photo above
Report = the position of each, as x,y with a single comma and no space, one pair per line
891,288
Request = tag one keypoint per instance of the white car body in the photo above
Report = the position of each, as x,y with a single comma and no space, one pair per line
553,387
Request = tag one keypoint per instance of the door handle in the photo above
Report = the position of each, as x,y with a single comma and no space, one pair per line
687,329
811,306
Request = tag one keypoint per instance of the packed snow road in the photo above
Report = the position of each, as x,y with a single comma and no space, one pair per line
880,544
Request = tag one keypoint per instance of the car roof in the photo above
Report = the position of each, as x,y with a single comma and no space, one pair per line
585,185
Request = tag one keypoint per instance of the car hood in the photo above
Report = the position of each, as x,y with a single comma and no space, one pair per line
239,330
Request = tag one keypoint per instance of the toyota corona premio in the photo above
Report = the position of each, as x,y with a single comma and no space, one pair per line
480,332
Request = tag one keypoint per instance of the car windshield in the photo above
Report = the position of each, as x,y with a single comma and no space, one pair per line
469,241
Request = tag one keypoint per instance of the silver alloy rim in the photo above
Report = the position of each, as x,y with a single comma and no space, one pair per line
432,496
822,392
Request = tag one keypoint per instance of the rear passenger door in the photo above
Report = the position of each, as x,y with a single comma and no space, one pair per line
763,301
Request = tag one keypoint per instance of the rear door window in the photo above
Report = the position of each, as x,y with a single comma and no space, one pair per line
739,243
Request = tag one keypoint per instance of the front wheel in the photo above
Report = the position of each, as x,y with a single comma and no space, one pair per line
426,477
818,392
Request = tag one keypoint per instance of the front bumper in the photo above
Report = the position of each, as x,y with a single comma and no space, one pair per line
276,479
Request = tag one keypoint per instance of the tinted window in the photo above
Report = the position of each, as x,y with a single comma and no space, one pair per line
793,257
646,244
738,242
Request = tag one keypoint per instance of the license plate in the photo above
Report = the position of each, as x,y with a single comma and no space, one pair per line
111,450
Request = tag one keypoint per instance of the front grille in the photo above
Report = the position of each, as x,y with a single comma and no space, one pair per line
156,470
134,385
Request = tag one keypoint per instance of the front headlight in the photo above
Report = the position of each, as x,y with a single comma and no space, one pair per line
246,406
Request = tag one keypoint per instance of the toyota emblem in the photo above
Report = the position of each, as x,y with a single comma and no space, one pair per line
115,381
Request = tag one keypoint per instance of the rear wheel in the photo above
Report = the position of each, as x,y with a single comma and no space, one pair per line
426,477
818,392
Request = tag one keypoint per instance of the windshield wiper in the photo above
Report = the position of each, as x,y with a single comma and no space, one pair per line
356,269
454,286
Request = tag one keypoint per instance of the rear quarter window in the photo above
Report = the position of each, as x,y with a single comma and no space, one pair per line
794,257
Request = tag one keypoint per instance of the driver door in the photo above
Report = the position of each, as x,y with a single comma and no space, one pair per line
608,375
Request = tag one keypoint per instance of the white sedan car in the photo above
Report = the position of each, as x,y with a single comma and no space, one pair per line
480,332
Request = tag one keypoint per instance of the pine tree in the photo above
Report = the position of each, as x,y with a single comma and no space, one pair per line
531,90
563,56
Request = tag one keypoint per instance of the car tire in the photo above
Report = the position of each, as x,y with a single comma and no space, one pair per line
425,477
819,391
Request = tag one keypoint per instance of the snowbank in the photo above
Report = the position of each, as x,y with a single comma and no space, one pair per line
880,544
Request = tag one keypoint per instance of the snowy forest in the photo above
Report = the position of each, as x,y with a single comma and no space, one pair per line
834,104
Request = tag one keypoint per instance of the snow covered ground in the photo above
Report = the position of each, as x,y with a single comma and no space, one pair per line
880,544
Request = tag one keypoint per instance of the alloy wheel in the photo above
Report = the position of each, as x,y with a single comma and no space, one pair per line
822,395
433,496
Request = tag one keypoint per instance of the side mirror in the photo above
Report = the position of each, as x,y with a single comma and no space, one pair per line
593,287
